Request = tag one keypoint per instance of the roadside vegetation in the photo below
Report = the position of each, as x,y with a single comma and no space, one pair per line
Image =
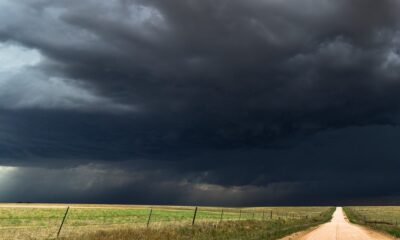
235,230
90,222
386,219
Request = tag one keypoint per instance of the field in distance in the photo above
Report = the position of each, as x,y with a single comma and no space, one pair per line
385,218
43,221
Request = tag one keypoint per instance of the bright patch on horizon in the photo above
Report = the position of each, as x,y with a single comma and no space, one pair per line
5,173
7,169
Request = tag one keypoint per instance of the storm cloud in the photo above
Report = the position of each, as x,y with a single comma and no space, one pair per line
260,101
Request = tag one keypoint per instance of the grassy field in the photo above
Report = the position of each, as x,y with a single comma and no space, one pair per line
41,221
385,219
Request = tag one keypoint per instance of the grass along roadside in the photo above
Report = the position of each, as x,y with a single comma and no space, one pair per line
386,219
235,230
42,221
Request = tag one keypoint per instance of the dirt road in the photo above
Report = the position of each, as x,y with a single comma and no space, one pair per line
339,229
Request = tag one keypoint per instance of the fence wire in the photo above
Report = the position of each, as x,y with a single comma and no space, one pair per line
48,222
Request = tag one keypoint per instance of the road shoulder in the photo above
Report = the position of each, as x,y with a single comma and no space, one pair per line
373,233
298,235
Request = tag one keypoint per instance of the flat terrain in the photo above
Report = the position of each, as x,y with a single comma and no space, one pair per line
340,229
42,221
385,218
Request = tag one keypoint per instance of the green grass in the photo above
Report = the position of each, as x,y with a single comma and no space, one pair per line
42,221
235,230
386,219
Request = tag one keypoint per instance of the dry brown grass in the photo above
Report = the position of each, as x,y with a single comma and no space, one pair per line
42,221
249,230
384,218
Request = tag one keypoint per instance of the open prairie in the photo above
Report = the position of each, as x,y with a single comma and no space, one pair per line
43,221
339,228
385,218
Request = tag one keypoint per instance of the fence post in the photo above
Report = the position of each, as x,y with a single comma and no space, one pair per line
194,216
240,214
222,215
62,222
253,215
271,215
148,220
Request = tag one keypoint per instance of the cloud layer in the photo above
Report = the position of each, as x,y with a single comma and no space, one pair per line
24,85
231,94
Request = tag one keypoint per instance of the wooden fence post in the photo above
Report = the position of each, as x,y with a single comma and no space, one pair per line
148,220
62,222
222,215
194,216
271,215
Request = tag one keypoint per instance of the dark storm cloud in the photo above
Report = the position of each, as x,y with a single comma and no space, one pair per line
283,177
227,93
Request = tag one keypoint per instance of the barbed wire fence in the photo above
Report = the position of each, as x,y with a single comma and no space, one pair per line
369,216
66,222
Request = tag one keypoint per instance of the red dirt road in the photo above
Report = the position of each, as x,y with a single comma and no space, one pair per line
339,229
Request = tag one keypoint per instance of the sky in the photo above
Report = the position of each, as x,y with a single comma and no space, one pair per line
187,102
